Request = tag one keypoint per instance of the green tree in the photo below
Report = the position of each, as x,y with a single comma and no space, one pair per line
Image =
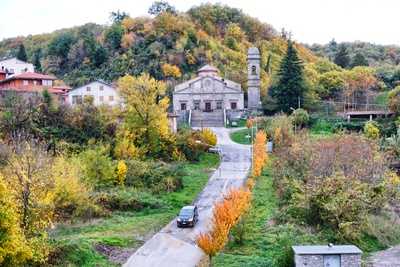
359,60
21,54
36,60
290,88
342,57
161,6
113,36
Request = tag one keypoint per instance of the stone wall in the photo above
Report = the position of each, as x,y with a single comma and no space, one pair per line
347,260
351,260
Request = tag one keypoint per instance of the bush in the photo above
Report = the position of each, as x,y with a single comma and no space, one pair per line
98,169
156,176
127,199
191,144
371,130
333,182
207,136
394,100
300,117
385,228
278,128
71,195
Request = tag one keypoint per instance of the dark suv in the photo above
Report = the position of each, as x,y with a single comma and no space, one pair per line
188,216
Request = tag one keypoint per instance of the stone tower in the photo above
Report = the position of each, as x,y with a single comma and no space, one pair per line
253,78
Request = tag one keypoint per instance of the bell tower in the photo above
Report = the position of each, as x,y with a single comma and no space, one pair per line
253,78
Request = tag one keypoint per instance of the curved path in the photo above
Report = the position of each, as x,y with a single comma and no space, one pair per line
176,247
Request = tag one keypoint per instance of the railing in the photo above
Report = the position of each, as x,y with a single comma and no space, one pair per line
224,117
190,118
344,107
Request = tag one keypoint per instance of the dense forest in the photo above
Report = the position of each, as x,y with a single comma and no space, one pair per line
375,54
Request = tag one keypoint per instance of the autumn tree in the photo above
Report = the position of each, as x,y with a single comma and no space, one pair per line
14,250
171,71
146,113
28,176
259,153
226,213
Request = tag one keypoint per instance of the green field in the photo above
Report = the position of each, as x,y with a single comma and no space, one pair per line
266,243
76,244
239,136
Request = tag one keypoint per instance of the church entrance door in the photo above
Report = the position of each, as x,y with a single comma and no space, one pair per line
208,106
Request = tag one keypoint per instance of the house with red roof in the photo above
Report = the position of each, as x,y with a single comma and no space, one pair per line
32,83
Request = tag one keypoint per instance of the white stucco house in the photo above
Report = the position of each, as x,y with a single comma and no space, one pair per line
101,92
14,66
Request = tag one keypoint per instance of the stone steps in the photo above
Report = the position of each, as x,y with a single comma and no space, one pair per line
207,119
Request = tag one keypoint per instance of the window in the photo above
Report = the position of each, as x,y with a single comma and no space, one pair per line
101,88
219,104
196,105
76,99
88,89
25,82
47,82
183,106
111,98
101,98
233,105
253,70
35,82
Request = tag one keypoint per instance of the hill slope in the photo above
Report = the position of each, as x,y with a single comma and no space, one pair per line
169,46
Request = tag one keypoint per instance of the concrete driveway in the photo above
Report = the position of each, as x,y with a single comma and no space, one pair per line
176,247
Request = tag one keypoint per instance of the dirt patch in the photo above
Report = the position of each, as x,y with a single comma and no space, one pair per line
385,258
115,254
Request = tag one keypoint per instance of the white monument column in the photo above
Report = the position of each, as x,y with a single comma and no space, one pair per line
253,78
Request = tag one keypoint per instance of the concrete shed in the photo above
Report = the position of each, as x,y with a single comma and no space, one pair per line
327,256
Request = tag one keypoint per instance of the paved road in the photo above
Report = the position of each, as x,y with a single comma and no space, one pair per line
385,258
176,247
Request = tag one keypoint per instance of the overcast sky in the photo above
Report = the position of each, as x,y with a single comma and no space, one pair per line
310,21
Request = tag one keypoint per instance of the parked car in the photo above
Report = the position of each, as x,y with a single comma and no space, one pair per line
188,216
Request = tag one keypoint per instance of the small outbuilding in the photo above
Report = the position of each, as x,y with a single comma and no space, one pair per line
327,256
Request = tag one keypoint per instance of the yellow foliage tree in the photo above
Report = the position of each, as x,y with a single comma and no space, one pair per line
171,71
14,250
28,176
122,169
146,112
259,153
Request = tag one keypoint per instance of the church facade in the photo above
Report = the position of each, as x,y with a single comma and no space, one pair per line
206,96
208,92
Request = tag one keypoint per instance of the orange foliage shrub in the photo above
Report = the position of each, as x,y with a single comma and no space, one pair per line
226,213
259,153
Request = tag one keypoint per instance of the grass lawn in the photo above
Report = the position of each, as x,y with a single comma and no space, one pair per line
265,243
239,136
127,230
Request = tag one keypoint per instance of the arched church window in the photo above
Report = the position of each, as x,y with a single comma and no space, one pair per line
253,70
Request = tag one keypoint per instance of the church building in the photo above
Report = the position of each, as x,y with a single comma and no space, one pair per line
208,95
208,92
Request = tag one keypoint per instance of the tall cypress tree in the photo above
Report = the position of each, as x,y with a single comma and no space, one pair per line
290,88
21,54
36,60
342,57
